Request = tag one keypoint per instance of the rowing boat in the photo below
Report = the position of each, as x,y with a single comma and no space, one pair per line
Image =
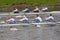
31,13
13,24
43,23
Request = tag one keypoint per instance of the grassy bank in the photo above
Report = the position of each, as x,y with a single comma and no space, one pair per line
27,2
9,5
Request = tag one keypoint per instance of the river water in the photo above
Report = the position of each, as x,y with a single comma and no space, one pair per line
44,32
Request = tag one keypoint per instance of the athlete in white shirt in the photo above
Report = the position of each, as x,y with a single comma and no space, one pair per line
24,20
45,9
16,10
26,10
11,20
50,18
36,9
38,19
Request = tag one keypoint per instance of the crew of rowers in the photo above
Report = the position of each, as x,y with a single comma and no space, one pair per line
27,10
25,19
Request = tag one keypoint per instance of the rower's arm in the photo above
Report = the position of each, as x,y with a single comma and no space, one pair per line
21,19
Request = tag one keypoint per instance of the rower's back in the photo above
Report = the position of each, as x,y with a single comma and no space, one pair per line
50,18
11,20
36,9
38,19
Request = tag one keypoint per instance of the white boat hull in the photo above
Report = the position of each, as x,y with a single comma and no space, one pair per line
43,23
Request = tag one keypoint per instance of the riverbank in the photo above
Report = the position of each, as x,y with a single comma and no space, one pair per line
21,7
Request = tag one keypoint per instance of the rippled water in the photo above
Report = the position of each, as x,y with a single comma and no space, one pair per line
44,32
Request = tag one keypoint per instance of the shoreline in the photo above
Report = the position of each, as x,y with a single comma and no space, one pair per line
21,7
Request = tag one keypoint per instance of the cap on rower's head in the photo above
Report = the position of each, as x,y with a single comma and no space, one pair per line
36,6
50,14
26,7
11,16
37,15
24,16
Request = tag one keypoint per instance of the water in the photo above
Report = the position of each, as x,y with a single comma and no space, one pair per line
44,32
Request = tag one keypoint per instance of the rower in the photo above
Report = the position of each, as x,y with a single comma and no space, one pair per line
36,9
38,19
11,20
16,10
24,19
26,10
50,18
45,9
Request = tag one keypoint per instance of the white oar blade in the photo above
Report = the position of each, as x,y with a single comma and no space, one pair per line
18,16
38,25
2,22
13,29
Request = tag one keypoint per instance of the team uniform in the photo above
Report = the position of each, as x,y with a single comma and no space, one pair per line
50,18
36,9
11,21
38,19
24,20
16,11
45,9
26,10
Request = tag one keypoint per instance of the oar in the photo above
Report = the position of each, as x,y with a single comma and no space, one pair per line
2,22
14,29
38,25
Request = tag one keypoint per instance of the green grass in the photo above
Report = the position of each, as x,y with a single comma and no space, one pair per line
27,2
